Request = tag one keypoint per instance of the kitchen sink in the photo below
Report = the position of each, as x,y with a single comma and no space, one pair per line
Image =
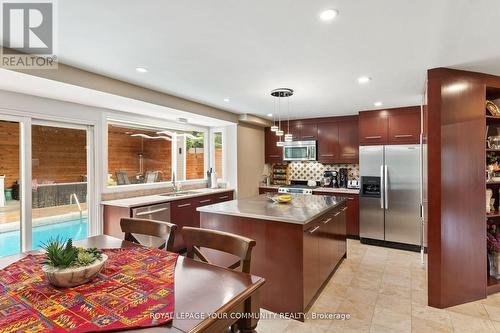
178,194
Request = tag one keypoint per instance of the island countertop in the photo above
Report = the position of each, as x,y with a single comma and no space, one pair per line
301,210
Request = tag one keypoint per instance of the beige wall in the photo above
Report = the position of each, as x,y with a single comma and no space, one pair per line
250,159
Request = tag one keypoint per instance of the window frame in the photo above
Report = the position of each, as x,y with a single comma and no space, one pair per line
223,132
149,123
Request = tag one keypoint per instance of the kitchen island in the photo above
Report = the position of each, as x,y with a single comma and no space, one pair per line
299,244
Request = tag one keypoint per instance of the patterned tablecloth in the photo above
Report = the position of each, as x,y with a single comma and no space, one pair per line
135,289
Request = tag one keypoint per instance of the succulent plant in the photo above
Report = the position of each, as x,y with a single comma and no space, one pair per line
62,254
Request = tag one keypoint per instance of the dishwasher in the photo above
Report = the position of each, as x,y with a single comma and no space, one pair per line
159,212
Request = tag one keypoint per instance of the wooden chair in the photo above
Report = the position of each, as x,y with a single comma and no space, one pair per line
197,238
159,229
122,178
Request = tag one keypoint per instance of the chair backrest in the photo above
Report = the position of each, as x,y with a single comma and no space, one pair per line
196,238
122,178
160,229
152,176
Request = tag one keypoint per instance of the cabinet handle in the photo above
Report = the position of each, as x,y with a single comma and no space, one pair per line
184,205
327,155
327,220
350,198
151,212
308,137
349,154
314,229
204,201
344,209
274,155
224,197
336,214
403,135
373,137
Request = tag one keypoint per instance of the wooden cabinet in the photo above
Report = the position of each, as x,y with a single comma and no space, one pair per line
182,212
348,142
337,139
328,142
303,130
372,128
310,262
324,245
352,211
352,215
273,154
390,126
308,132
263,190
404,127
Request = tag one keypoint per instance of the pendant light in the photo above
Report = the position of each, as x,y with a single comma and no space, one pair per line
288,135
280,93
274,128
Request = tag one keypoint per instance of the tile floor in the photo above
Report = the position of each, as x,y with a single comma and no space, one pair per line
385,290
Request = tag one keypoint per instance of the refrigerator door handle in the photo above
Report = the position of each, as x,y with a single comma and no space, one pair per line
386,188
382,186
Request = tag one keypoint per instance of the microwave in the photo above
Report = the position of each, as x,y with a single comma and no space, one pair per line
299,151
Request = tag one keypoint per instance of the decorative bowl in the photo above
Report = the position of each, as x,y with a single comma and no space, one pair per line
492,108
73,276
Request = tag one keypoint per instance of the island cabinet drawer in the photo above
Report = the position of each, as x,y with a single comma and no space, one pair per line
324,244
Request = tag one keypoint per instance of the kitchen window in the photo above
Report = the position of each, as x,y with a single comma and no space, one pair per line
217,149
138,155
141,155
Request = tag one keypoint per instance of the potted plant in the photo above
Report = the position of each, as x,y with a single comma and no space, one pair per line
69,266
493,244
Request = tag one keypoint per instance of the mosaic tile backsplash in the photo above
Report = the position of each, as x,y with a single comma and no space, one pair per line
314,170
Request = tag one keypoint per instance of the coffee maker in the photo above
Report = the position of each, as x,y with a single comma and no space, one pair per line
343,177
330,179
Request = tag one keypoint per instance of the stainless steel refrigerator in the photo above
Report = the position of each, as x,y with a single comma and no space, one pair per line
390,203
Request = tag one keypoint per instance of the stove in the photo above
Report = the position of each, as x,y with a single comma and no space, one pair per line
297,186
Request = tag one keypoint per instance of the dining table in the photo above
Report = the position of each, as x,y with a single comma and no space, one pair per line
208,298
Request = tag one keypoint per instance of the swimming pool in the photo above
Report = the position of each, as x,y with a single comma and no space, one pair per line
75,229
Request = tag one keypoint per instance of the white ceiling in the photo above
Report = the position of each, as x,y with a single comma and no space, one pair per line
210,50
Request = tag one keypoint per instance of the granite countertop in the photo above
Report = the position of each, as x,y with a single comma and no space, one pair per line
157,198
303,208
320,189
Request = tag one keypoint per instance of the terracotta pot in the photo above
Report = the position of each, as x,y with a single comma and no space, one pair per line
73,276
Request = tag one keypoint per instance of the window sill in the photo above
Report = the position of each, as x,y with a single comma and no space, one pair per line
150,186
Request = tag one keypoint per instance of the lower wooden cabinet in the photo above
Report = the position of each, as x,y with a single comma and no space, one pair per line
324,246
182,212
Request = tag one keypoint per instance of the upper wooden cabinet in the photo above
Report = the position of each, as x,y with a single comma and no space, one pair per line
273,154
337,139
302,131
348,141
328,142
390,126
404,127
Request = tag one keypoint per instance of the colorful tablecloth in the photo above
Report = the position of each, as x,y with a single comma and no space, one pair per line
135,289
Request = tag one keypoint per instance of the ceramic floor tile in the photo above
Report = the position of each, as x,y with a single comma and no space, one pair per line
493,312
391,319
468,324
394,303
474,309
427,326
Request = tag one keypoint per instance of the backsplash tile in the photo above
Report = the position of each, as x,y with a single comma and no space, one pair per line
315,170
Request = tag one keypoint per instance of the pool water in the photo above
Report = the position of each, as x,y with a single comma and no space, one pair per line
75,229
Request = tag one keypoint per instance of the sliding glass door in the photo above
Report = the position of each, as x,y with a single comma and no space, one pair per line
10,180
59,182
46,182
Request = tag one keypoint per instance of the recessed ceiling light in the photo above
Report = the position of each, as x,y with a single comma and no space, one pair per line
269,114
141,69
329,14
364,79
226,100
377,103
